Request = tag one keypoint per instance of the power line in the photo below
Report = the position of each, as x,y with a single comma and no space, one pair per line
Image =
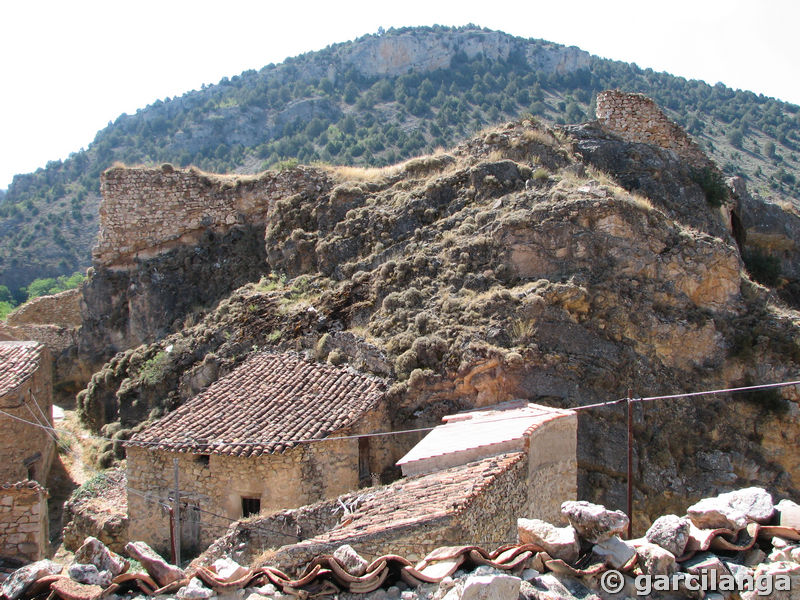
414,430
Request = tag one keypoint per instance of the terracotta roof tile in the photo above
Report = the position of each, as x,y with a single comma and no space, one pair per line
271,399
18,361
422,498
22,485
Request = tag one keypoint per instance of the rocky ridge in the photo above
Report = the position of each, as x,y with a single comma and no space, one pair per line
564,266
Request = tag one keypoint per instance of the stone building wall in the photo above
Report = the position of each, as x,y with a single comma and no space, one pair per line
300,476
145,211
62,309
636,118
552,468
489,520
27,450
23,521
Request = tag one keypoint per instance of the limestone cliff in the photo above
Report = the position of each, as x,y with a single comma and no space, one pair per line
563,266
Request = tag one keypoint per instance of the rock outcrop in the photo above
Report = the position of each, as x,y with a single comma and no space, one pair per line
565,267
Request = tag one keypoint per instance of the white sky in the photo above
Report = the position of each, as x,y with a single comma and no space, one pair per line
67,68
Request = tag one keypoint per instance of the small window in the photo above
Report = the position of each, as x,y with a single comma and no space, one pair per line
202,459
31,473
250,507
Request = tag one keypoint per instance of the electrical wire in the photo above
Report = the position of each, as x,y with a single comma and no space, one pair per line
210,444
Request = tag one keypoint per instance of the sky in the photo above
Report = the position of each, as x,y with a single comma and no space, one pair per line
68,68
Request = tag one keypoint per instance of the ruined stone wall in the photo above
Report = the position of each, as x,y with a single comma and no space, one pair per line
27,450
300,476
145,211
636,118
56,338
58,309
489,519
552,468
23,521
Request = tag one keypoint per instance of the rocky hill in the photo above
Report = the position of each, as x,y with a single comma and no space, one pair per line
375,101
566,266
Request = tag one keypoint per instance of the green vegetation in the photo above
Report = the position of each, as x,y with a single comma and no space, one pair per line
91,488
51,285
154,368
37,287
713,185
763,267
292,112
5,308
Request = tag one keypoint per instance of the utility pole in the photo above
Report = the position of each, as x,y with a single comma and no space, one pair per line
176,513
630,464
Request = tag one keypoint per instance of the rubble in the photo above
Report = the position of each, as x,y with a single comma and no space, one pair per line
95,552
593,522
671,532
733,510
523,570
21,579
89,575
159,569
558,542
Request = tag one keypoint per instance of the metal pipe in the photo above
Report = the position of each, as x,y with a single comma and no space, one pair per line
630,465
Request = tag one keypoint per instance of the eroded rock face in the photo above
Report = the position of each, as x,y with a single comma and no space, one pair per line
511,268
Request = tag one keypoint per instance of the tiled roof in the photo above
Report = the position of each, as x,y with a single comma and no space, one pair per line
495,429
269,401
18,361
25,484
421,498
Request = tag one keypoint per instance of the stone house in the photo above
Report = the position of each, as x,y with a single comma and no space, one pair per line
466,483
236,449
26,394
546,436
24,525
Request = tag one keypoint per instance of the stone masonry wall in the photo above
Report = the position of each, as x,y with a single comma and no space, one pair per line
145,211
300,476
488,520
552,468
636,118
20,443
62,309
23,521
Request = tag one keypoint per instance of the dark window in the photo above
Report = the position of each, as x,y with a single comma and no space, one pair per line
250,506
31,473
202,459
364,478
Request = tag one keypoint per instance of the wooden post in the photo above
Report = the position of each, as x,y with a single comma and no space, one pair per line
176,512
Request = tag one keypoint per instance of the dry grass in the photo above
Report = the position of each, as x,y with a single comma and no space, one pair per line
641,201
343,173
538,136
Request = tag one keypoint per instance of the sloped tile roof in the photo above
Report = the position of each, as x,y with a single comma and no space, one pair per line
18,361
264,405
421,498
